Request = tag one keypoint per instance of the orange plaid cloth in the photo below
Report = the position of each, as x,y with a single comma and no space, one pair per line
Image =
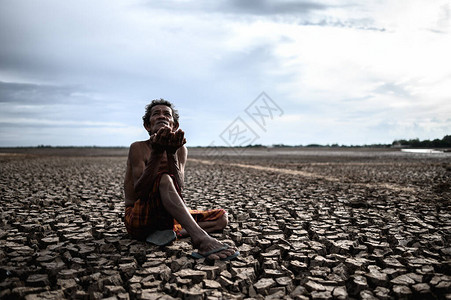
148,215
201,216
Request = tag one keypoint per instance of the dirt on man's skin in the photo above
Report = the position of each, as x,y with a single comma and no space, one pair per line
309,223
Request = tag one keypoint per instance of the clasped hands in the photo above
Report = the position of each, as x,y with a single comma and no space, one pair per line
167,140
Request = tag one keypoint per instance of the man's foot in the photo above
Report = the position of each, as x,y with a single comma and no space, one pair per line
218,250
212,249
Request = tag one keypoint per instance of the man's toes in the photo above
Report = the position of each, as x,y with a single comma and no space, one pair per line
221,255
214,257
224,254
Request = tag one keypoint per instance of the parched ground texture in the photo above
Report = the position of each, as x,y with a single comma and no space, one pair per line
310,224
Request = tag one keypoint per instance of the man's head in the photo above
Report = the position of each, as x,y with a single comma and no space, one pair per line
158,113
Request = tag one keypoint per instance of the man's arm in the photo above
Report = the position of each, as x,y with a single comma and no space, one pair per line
173,144
143,174
176,165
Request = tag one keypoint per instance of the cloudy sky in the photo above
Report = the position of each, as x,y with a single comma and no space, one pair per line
348,72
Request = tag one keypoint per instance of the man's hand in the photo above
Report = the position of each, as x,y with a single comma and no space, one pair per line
167,140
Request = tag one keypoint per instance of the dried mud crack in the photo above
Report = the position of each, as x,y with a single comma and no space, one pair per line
332,231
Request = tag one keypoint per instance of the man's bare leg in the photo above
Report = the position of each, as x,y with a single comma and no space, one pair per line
177,208
210,226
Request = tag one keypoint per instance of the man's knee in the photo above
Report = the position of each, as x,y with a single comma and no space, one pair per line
166,182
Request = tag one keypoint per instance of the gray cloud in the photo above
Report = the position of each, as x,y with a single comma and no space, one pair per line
360,24
394,89
247,7
265,7
31,105
308,13
26,93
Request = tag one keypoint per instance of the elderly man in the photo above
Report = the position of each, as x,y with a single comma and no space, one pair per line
154,179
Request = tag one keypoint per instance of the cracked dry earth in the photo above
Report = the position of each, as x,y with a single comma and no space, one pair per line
309,225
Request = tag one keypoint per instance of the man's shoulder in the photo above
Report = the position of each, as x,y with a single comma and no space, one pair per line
138,144
138,147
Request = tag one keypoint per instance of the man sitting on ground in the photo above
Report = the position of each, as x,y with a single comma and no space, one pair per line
153,183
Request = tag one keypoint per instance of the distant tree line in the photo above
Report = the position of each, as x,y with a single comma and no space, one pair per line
416,143
331,146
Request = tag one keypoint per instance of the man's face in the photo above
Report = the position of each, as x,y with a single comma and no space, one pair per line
160,116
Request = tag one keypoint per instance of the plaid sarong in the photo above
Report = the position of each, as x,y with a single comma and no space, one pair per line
201,216
148,215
